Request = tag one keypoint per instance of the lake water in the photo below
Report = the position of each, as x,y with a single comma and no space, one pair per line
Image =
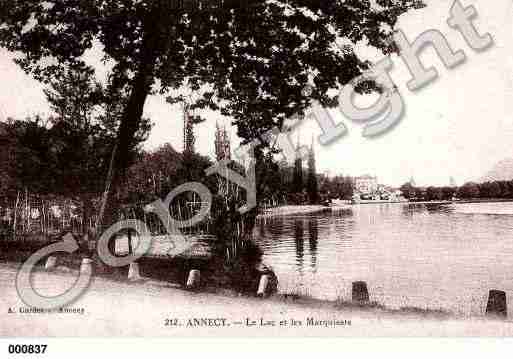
411,255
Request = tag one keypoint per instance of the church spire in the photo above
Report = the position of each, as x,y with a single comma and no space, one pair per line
188,130
222,143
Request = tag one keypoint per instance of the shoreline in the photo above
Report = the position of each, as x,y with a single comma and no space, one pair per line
303,303
276,298
291,210
159,303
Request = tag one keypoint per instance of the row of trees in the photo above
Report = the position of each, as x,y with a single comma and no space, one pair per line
486,190
470,190
340,187
303,188
299,185
155,173
431,193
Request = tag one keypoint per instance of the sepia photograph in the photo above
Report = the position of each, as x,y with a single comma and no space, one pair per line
255,168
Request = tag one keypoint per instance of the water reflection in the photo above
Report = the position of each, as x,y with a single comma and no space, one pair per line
261,228
276,226
300,244
313,233
427,256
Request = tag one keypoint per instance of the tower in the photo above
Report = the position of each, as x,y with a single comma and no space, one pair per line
222,144
188,130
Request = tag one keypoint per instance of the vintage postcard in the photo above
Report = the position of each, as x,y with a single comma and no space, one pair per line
270,168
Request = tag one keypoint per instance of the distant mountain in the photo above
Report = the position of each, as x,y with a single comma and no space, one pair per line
502,171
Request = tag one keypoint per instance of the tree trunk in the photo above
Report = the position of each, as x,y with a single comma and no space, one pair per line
121,153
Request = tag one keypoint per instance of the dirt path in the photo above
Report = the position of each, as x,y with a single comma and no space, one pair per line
122,309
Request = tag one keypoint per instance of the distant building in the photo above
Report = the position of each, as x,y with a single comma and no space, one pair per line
367,188
366,184
222,144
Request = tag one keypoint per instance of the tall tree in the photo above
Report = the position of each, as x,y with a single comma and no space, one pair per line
297,181
312,187
254,59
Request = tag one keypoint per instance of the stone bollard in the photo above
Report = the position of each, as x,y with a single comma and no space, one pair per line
134,272
497,304
51,263
194,279
87,266
262,286
360,292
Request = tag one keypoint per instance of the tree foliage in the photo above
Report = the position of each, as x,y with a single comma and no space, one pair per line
408,190
468,191
312,187
156,173
68,154
251,62
298,184
339,187
254,59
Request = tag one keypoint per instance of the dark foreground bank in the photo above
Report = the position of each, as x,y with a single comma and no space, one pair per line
241,275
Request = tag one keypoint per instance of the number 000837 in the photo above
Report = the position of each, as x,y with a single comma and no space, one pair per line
27,348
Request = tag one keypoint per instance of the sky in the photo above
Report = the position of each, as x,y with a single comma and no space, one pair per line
458,126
